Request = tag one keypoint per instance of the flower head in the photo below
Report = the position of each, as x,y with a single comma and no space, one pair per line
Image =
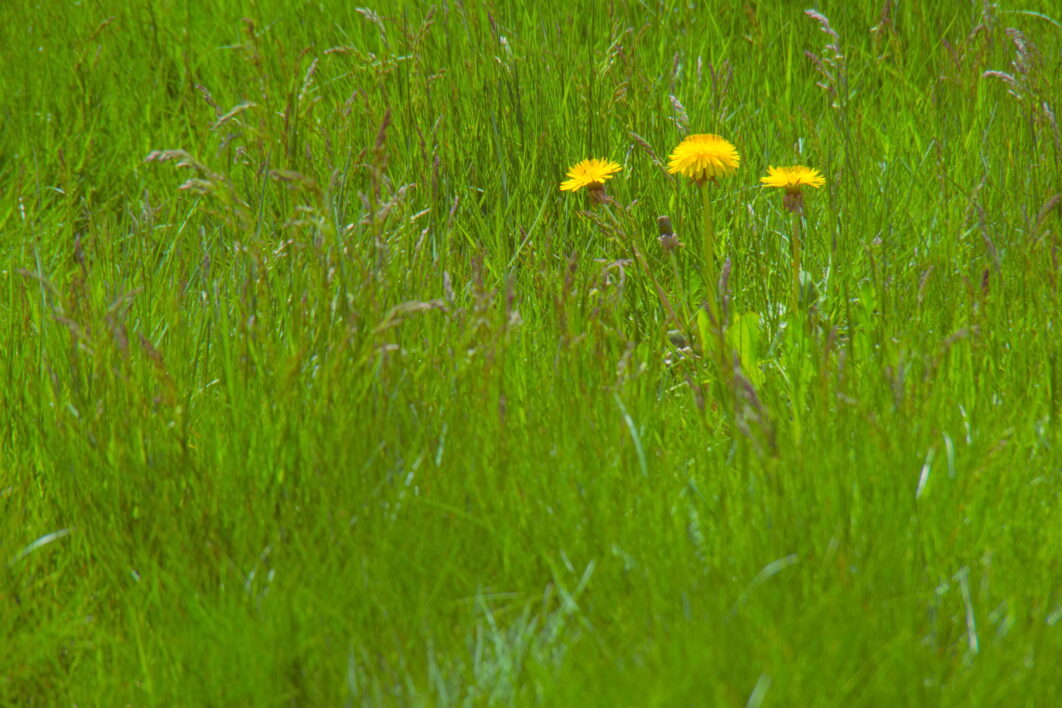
793,180
702,157
588,173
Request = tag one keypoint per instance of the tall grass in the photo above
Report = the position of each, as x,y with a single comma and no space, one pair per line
317,390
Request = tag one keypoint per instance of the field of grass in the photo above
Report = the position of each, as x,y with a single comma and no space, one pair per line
315,389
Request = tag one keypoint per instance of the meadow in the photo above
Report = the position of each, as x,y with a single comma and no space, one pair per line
316,389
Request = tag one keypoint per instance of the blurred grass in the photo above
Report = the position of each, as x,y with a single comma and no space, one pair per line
357,407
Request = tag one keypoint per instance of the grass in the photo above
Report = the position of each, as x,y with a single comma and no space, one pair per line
317,390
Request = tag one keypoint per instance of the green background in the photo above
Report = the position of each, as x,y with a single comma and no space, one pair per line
347,403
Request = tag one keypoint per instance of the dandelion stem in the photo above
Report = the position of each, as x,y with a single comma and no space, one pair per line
710,274
794,244
715,351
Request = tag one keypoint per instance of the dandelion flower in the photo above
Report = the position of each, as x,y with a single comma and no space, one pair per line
702,157
588,173
793,179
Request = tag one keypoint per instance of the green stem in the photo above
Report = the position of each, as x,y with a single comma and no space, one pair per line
794,244
715,351
710,274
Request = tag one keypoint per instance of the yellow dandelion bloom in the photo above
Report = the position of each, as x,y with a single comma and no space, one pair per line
588,172
793,179
702,157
